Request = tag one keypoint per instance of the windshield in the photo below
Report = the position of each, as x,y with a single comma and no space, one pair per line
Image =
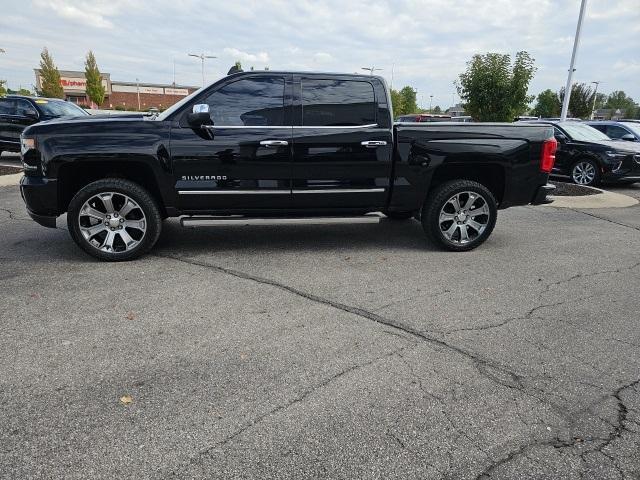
634,127
177,106
582,133
59,108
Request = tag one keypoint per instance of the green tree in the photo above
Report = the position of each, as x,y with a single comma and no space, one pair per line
3,90
95,89
49,76
437,109
408,99
618,100
581,101
404,101
547,104
495,90
601,100
396,103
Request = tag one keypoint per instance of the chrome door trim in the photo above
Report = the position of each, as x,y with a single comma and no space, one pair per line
341,190
280,127
234,192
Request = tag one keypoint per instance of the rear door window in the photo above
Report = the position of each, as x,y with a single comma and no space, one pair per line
7,106
337,103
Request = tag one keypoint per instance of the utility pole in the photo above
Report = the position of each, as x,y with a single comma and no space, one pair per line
595,96
138,90
202,57
430,102
576,43
371,69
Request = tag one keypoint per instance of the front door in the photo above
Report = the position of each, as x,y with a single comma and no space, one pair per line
341,150
243,160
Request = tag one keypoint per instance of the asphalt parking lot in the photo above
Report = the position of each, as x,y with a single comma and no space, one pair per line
324,352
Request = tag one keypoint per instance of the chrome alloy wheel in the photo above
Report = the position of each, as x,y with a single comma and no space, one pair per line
112,222
583,173
464,217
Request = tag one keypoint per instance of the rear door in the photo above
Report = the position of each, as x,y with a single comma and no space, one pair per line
9,136
243,161
341,149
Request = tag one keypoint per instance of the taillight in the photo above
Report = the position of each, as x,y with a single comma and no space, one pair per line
548,156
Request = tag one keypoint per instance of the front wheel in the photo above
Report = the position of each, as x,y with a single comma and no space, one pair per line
114,219
459,215
585,172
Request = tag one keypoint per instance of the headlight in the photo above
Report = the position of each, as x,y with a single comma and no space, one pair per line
615,154
27,144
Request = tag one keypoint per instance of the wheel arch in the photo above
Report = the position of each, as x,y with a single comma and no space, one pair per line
75,175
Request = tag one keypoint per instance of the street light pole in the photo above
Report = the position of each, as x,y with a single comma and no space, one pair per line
202,56
430,102
576,43
595,96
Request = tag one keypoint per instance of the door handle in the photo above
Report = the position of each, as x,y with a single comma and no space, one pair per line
274,143
373,143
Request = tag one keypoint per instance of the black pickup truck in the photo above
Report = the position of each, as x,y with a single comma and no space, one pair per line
287,146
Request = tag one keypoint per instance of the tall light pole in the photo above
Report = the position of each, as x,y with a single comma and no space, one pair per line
430,102
138,90
595,96
202,56
576,43
371,69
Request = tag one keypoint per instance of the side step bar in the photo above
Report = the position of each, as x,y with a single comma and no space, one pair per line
202,221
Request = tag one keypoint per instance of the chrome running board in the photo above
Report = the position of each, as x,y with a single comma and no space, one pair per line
202,221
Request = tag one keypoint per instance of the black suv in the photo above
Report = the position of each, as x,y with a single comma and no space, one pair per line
589,157
629,131
18,112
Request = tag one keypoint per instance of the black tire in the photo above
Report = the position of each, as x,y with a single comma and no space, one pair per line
580,163
439,201
398,215
146,211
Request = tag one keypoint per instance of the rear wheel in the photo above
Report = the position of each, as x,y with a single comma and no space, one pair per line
585,172
459,215
114,219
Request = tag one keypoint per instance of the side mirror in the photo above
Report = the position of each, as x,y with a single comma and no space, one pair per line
561,138
31,113
628,137
199,116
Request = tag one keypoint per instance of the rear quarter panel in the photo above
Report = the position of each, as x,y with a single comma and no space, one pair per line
423,150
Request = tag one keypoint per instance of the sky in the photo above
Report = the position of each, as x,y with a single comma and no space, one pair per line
421,43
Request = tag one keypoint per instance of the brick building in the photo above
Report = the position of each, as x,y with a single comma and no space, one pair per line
139,96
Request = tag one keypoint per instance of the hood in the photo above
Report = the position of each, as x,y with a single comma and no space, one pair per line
86,122
622,145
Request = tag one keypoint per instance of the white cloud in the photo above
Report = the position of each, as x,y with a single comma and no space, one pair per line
262,57
425,42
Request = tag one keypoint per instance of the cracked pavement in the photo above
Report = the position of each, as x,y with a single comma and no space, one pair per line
351,351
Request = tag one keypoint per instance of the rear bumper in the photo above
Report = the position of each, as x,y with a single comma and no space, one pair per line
40,196
540,197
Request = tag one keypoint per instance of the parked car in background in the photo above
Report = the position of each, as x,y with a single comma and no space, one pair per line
628,131
423,117
18,112
590,157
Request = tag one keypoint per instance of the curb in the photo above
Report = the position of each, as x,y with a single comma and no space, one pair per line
603,200
10,180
